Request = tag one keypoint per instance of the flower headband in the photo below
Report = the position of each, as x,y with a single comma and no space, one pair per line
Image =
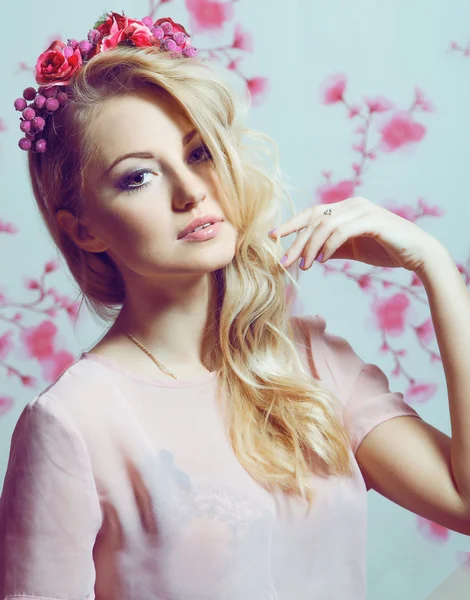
55,66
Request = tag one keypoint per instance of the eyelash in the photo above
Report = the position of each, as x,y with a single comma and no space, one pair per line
124,183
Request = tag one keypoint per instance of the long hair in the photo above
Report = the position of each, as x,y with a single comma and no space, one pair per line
283,424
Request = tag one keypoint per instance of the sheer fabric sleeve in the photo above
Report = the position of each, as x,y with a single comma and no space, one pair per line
362,387
49,509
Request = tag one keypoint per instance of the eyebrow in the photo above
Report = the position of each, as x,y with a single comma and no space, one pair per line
147,154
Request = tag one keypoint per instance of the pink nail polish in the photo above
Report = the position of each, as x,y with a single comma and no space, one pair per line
284,258
319,257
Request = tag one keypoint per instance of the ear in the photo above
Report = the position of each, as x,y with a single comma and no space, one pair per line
78,232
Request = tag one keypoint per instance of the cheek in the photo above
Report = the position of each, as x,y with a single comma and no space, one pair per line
132,230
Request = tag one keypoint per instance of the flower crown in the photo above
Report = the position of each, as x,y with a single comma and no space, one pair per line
56,66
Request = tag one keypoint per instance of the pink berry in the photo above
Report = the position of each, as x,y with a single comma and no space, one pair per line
41,145
179,38
29,93
29,113
31,136
62,98
168,45
190,51
72,43
84,46
147,21
158,33
94,36
68,51
38,123
25,126
50,92
178,49
20,104
167,27
25,144
39,101
52,104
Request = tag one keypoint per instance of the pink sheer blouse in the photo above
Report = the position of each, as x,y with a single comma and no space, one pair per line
120,487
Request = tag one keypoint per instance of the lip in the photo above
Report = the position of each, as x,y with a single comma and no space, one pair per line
203,234
197,222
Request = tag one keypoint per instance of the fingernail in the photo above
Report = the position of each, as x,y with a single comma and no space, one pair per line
272,231
319,257
284,258
301,264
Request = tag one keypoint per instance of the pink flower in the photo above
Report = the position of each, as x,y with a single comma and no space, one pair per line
418,393
6,344
242,40
379,104
335,192
433,531
399,131
6,402
425,331
118,28
209,14
39,340
56,364
333,89
390,313
257,86
53,68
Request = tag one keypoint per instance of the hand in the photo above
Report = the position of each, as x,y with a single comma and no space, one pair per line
358,230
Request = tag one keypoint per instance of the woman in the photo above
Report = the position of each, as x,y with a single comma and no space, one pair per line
209,446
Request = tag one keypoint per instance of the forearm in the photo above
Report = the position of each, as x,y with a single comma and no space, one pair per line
449,301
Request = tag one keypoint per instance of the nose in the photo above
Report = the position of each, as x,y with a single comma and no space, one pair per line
189,190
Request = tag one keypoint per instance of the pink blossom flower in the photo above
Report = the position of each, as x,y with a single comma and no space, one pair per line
390,313
209,14
6,402
399,131
6,344
333,89
51,266
425,331
257,86
56,364
432,531
354,110
418,393
329,193
242,40
379,104
427,209
39,340
405,211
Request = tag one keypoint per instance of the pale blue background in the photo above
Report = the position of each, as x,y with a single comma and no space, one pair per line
384,48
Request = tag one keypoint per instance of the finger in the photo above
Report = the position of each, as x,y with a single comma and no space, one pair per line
295,224
343,234
323,230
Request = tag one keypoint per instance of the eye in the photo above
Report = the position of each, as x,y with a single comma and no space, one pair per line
200,154
124,184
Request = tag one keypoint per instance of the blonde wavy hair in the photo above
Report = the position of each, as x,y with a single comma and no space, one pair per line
282,423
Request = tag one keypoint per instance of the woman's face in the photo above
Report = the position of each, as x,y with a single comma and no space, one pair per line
137,206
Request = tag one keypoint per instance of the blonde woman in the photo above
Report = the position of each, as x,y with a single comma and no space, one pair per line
209,446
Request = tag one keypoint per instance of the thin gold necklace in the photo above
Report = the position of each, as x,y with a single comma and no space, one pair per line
158,363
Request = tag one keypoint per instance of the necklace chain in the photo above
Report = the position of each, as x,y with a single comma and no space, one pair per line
158,363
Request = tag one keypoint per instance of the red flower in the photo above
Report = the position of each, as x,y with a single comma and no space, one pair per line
52,68
176,27
118,28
